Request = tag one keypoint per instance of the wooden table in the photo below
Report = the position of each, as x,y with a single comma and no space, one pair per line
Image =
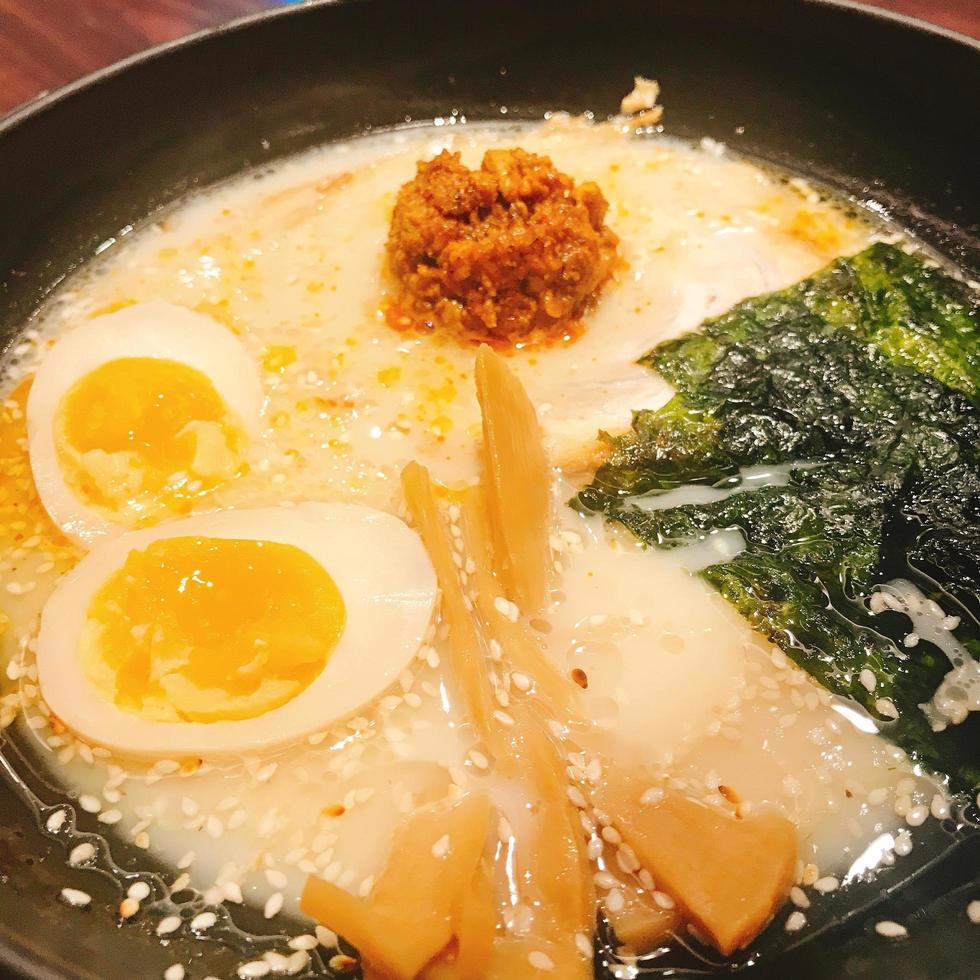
46,43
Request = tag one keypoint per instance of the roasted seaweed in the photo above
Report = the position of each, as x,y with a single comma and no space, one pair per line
864,382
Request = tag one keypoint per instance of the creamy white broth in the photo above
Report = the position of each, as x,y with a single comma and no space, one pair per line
292,258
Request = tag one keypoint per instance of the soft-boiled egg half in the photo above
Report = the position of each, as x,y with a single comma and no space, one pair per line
234,632
136,414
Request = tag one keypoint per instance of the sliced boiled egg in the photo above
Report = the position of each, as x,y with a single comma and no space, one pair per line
136,414
236,631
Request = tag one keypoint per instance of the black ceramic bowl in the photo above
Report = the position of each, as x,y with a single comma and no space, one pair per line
878,107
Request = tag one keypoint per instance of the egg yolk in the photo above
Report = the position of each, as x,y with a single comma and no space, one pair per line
211,629
143,437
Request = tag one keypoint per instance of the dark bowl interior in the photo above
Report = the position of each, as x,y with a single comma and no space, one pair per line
874,106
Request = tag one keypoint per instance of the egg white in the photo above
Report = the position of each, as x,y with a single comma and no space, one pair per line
156,330
384,576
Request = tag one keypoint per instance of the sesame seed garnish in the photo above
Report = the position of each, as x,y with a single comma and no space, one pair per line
273,905
82,853
180,883
168,924
576,797
254,968
891,930
877,796
809,875
214,826
441,847
615,901
795,921
938,807
799,897
605,880
296,962
138,890
325,937
76,898
917,816
342,962
175,972
277,962
826,884
56,821
663,900
540,961
973,912
186,861
304,941
903,843
886,707
868,679
110,816
233,892
652,796
128,907
203,920
276,878
89,803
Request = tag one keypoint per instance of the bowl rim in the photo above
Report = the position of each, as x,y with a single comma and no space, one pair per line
48,98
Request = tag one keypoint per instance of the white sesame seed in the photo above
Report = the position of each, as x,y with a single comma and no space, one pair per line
886,707
540,961
973,912
167,925
503,717
795,921
273,905
521,681
652,796
611,836
868,679
56,821
89,803
203,920
938,807
174,972
276,878
441,847
75,897
277,962
305,941
583,943
110,816
576,797
186,861
877,796
646,879
916,817
891,930
826,884
254,968
296,962
233,892
138,890
479,759
82,853
799,897
128,907
605,880
903,843
214,826
325,937
663,900
615,901
142,840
